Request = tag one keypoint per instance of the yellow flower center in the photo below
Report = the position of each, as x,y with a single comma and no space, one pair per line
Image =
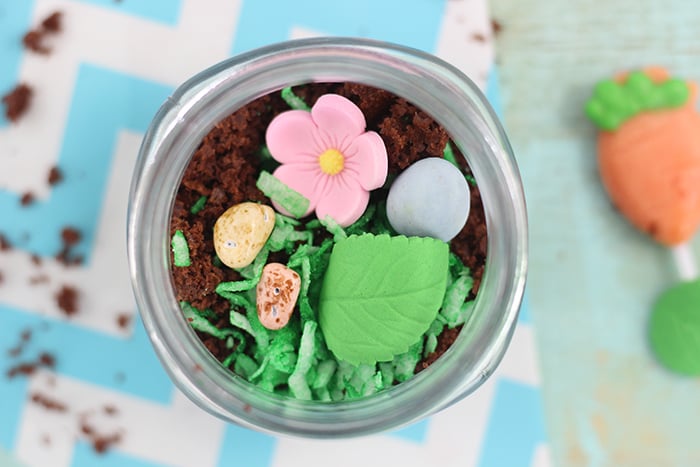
331,161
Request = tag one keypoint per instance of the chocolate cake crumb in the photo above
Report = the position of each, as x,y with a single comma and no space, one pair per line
70,236
53,23
67,300
46,440
119,377
55,176
34,40
36,260
2,278
26,335
5,244
478,37
124,320
27,198
110,410
46,359
29,368
48,403
100,443
17,102
445,340
496,27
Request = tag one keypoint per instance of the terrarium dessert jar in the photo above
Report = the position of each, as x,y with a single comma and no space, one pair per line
374,277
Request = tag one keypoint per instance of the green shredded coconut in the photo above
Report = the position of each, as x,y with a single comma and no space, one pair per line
295,361
333,228
202,324
614,103
294,101
291,200
181,250
198,205
449,155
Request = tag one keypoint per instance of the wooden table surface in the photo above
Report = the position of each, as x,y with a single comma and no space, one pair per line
593,278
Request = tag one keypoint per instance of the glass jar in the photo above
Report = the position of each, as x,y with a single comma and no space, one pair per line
429,83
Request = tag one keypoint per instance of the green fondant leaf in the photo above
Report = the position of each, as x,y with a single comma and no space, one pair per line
380,294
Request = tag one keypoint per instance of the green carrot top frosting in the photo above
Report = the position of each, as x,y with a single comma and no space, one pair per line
614,103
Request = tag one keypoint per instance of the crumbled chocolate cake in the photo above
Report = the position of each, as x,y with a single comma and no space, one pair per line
55,176
69,238
124,320
34,39
27,198
45,360
17,101
5,244
48,402
225,168
67,300
53,23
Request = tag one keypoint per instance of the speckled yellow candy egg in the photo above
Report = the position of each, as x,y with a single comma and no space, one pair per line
241,232
276,294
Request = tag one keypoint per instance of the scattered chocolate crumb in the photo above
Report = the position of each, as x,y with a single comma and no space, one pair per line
36,260
45,440
55,176
119,377
110,410
27,198
29,368
496,27
478,37
247,408
34,40
70,236
5,244
17,101
25,336
40,279
53,22
2,278
67,300
48,360
100,443
124,320
48,403
197,367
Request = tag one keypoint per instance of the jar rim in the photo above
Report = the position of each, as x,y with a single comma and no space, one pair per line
429,83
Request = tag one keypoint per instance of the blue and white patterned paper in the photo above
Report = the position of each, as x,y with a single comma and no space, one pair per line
111,68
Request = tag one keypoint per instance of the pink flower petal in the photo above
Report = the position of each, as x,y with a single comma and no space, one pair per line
339,119
292,136
367,160
344,200
306,179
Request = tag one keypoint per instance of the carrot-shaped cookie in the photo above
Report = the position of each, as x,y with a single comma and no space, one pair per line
649,151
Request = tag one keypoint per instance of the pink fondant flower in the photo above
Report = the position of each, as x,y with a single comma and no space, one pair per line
328,157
